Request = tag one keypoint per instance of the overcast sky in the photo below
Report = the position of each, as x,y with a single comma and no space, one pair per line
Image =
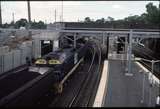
72,11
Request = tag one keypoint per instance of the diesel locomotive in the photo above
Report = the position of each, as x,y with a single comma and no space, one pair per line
60,61
52,70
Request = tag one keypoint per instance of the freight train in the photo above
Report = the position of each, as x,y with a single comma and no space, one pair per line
25,88
61,61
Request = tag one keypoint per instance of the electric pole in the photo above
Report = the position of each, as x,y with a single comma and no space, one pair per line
0,15
55,15
60,18
62,11
29,22
29,14
13,17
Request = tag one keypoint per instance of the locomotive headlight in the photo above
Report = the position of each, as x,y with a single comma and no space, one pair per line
41,61
52,61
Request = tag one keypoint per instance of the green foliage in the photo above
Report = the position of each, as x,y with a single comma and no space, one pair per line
21,23
150,19
110,18
87,20
153,14
24,23
102,20
38,25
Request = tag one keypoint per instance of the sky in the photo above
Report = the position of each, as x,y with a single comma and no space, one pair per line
73,11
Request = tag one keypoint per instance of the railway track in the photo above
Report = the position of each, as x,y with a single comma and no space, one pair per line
14,81
84,90
79,91
70,90
18,69
86,96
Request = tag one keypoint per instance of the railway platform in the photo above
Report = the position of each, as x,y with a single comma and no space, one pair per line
128,91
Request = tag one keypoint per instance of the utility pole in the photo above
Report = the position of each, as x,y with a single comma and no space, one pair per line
13,17
0,15
62,11
29,25
29,14
60,18
55,19
55,15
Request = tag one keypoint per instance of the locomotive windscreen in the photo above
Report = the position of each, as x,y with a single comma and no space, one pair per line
56,57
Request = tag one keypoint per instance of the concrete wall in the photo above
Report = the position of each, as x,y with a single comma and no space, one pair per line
55,26
46,35
53,36
21,33
4,49
8,61
15,58
37,48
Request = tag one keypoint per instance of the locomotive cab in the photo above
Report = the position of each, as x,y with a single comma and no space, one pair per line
60,60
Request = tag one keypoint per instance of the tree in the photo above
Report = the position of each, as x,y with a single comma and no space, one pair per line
21,23
38,25
110,18
153,14
41,25
6,25
102,20
87,20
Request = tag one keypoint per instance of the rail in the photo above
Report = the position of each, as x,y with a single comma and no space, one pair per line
87,76
59,85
